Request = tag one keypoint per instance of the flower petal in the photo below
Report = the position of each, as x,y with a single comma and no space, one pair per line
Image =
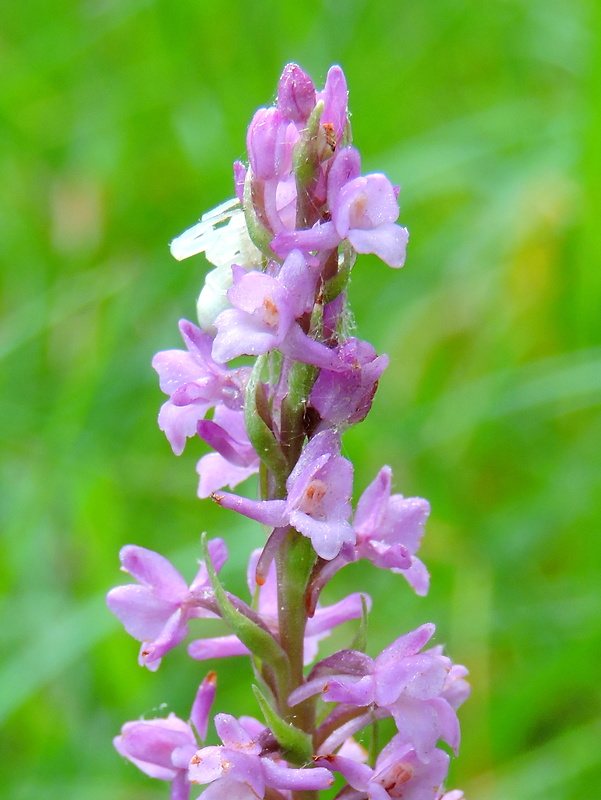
387,241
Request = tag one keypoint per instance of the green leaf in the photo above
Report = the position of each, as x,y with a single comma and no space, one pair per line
296,744
260,434
257,639
305,158
338,283
360,640
300,382
260,236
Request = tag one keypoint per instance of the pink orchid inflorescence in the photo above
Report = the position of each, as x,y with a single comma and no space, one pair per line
276,306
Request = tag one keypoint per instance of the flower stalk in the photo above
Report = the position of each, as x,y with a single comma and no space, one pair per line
284,251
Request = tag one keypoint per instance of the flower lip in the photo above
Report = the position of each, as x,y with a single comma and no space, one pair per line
365,203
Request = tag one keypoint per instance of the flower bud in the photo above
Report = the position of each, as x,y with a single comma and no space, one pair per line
152,744
269,142
296,94
335,98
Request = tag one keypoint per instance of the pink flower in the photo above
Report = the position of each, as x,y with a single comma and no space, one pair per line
162,748
264,314
239,769
195,383
343,398
399,773
235,459
156,610
365,213
363,210
390,528
318,502
401,682
335,99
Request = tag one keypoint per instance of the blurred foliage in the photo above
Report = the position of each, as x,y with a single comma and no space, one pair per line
119,121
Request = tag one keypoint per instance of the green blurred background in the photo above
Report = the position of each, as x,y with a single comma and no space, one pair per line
119,123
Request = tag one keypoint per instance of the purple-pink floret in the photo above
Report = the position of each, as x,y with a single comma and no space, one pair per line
335,99
362,210
162,748
401,682
195,383
389,530
344,398
264,313
239,769
264,308
399,773
318,504
156,610
234,459
365,213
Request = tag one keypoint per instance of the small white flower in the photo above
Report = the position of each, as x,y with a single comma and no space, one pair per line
213,297
223,244
223,237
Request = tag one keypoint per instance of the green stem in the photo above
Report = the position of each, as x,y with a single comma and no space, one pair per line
257,420
300,382
294,563
305,160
